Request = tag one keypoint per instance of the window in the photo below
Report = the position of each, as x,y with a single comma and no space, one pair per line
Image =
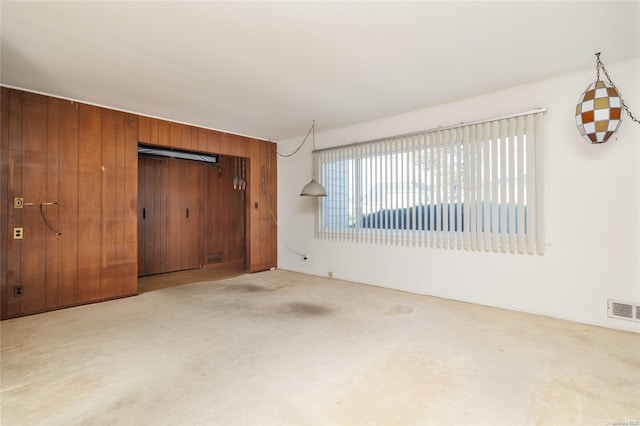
476,186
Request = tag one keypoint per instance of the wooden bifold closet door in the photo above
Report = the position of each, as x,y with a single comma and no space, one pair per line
184,222
153,181
170,215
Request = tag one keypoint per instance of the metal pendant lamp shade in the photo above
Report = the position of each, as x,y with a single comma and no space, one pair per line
313,189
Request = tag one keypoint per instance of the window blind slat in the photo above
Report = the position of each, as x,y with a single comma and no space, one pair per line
423,192
504,183
445,203
539,200
466,175
486,186
438,200
512,186
413,193
387,205
520,191
494,197
473,188
530,176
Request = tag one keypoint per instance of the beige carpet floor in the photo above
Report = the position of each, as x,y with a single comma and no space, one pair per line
282,348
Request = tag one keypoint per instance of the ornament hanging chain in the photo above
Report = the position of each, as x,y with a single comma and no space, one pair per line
599,65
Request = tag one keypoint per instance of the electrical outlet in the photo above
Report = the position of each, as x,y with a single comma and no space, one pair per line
330,274
18,233
18,291
18,203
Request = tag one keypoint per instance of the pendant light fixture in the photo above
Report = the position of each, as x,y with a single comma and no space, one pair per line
313,188
599,110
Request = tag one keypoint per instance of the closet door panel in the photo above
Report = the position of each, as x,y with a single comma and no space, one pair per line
152,215
158,253
192,221
175,213
142,208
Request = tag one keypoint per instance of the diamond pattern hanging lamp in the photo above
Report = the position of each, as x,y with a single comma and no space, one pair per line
599,109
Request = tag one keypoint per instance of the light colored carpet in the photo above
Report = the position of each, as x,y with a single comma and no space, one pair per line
282,348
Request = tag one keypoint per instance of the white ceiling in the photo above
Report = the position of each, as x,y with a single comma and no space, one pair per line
267,69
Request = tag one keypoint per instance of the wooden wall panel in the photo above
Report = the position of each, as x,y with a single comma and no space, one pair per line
68,204
108,192
186,138
175,135
180,136
129,279
213,142
85,158
213,240
51,212
154,131
34,149
200,139
254,252
144,129
242,146
117,265
226,145
235,145
89,203
270,227
232,227
164,133
264,218
261,228
224,213
4,196
13,305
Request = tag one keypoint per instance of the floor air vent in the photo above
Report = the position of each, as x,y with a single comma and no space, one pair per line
623,310
214,258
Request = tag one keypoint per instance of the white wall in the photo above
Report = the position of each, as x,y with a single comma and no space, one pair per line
593,212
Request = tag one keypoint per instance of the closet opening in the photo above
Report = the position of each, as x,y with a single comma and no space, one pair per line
191,210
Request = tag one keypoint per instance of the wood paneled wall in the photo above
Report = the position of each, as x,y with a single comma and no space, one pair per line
85,158
261,193
224,213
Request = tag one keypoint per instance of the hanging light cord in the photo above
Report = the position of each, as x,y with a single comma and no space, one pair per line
298,148
273,216
600,65
45,218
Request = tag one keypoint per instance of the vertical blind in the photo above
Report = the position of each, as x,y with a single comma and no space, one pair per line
476,186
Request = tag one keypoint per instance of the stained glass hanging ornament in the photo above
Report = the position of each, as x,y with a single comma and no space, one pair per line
599,110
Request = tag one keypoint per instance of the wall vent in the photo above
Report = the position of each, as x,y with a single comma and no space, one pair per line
623,310
214,258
